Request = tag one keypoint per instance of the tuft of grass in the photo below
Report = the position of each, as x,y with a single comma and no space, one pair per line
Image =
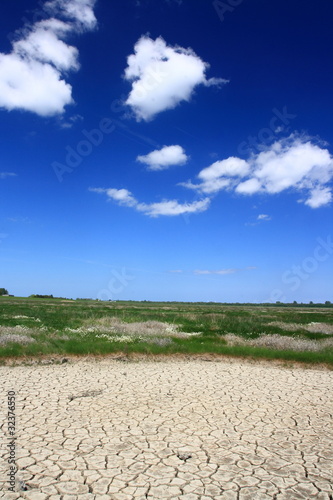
279,342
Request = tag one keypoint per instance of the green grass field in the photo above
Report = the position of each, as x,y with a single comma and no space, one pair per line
37,327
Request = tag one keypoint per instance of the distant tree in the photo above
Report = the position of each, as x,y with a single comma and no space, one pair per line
3,291
328,303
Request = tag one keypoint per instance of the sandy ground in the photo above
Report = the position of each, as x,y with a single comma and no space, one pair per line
187,429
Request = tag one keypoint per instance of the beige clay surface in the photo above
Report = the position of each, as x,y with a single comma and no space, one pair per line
171,429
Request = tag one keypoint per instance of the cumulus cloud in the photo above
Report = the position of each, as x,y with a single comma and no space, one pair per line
166,207
31,76
79,12
231,167
121,196
318,197
292,163
163,76
164,158
173,207
248,187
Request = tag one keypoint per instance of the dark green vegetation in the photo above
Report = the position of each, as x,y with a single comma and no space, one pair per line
36,326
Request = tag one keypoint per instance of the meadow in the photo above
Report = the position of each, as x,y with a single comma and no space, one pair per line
39,327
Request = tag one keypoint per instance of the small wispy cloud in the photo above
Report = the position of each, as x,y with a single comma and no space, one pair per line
4,175
124,197
121,196
161,159
175,271
70,122
222,272
263,217
19,220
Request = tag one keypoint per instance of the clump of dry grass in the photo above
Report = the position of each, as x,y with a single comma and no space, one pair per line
312,327
112,325
18,334
319,328
280,342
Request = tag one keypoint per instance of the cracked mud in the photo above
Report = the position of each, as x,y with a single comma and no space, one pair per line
103,429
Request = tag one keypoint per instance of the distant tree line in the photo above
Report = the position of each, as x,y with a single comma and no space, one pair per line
3,291
252,304
38,296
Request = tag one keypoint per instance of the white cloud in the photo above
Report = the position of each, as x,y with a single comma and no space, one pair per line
70,121
19,220
42,44
219,175
31,75
78,11
292,163
207,187
231,167
4,175
163,76
173,207
166,207
249,187
121,196
163,158
263,217
319,197
221,271
32,86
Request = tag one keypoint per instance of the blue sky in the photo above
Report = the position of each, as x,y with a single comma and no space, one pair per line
167,150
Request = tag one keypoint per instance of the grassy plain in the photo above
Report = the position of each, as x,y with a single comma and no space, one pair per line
34,327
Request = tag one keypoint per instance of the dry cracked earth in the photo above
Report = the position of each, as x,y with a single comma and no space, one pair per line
187,429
